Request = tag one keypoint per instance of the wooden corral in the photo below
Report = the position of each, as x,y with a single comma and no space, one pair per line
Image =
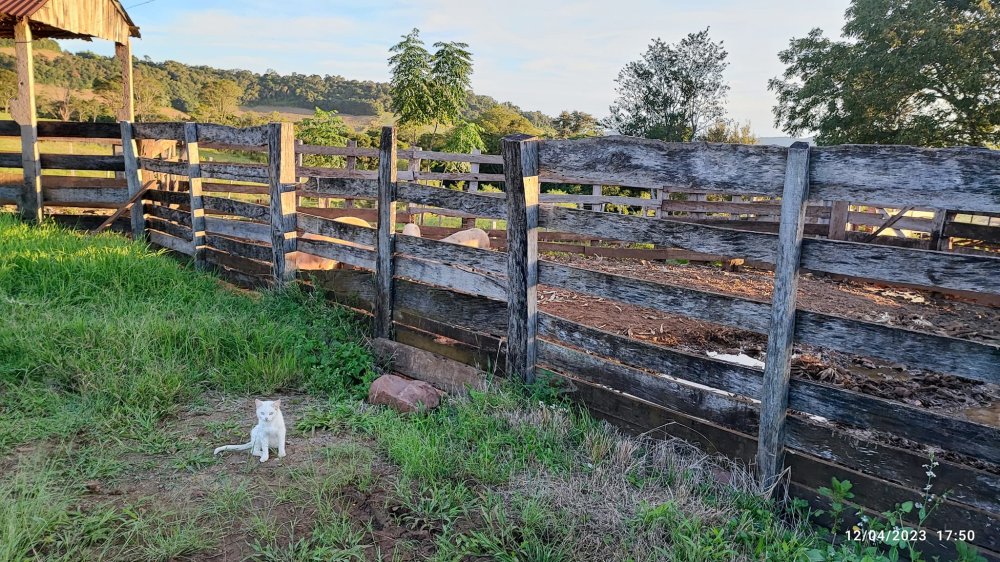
476,306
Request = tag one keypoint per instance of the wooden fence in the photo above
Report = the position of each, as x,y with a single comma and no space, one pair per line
480,306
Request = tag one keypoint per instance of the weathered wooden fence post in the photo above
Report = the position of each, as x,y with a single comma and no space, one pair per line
781,334
197,201
133,176
22,109
470,222
386,236
839,214
352,164
282,178
520,166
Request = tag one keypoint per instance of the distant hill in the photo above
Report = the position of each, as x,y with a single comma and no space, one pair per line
290,94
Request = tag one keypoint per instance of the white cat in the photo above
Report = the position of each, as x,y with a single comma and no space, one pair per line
269,432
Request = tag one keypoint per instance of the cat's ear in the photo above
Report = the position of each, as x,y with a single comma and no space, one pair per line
257,402
277,404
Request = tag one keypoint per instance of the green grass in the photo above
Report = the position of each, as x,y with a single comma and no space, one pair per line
121,369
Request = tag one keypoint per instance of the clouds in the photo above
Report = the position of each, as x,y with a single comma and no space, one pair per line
540,54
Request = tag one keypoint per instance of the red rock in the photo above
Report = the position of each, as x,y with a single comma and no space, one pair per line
403,395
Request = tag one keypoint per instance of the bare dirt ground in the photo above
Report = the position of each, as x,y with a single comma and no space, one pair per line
906,308
251,505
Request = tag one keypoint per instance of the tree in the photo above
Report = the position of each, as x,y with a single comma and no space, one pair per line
673,92
324,128
576,124
729,132
410,67
89,110
8,88
500,121
150,95
219,101
110,93
450,80
922,72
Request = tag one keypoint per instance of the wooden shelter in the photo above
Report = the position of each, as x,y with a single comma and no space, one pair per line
27,20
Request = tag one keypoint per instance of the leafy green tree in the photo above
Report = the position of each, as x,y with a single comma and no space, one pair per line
324,128
673,92
500,121
89,109
150,95
410,67
8,88
219,101
576,124
450,81
729,132
462,139
921,72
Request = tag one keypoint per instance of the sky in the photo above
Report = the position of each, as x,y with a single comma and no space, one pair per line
548,55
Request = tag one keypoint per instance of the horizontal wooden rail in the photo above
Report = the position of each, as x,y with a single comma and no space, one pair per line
737,208
239,208
176,230
238,229
65,130
834,404
931,269
166,213
478,204
241,248
164,240
343,253
462,256
936,353
335,229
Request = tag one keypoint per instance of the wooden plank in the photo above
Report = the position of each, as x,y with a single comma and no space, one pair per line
906,223
22,109
133,175
84,196
335,229
839,212
604,199
520,157
163,166
344,187
239,248
195,196
168,197
834,404
173,229
133,201
239,229
156,131
8,193
457,309
370,215
236,172
932,352
243,265
218,187
280,173
166,213
781,330
451,277
480,355
385,237
350,255
930,269
737,208
938,240
452,254
972,231
477,204
315,172
227,206
232,136
171,243
653,164
337,150
123,54
446,374
474,157
76,181
939,178
82,162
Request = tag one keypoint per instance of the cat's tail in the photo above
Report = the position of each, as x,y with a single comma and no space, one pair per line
242,447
